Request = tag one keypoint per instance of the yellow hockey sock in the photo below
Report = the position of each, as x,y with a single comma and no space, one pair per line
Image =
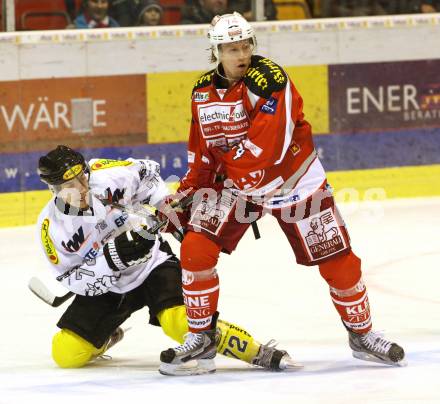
234,341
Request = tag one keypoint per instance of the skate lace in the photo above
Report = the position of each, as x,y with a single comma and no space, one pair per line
265,354
374,342
191,342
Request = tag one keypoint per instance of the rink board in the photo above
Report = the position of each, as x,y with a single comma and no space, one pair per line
372,108
22,208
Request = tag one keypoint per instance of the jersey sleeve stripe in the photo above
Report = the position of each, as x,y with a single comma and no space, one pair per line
290,126
253,98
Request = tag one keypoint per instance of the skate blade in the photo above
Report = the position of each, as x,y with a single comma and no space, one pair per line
290,366
192,368
371,358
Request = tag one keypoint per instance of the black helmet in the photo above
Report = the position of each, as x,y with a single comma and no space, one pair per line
61,165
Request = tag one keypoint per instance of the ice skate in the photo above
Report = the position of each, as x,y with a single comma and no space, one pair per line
374,348
274,359
117,336
194,357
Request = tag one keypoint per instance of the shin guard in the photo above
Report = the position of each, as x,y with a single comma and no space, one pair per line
348,292
200,283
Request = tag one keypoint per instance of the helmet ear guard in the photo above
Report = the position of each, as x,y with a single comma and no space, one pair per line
229,28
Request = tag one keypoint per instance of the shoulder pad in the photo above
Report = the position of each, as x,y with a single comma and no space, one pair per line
101,164
265,77
204,80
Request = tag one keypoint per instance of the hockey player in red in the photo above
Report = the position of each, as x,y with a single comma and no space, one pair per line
248,127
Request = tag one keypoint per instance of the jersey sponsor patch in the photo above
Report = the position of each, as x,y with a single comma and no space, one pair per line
108,163
270,107
200,97
253,148
49,248
322,235
219,119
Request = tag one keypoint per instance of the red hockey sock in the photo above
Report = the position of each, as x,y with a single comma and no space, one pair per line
354,309
200,283
201,298
348,292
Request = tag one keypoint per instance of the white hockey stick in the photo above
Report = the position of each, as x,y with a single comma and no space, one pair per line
41,291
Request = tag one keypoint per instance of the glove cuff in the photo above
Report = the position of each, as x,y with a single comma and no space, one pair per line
112,257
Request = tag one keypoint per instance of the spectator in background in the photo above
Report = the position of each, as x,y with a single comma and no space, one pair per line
401,6
124,12
71,8
95,15
203,11
244,7
351,8
149,13
430,6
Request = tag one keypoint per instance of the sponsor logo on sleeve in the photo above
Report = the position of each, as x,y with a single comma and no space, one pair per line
295,148
270,107
49,248
108,163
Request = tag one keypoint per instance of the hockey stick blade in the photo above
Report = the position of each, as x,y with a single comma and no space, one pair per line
40,290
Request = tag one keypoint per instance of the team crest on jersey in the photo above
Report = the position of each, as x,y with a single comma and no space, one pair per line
108,163
49,248
200,97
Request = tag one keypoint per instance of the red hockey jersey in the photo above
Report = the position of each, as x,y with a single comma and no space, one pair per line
254,133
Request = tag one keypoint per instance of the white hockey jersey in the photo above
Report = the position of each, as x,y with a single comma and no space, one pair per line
73,240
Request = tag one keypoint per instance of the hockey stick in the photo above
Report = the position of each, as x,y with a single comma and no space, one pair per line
40,290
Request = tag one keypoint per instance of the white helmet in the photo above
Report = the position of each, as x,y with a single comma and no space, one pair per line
229,28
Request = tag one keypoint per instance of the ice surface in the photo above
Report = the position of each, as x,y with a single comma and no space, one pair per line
265,291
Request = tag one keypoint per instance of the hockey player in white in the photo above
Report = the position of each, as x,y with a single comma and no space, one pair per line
113,265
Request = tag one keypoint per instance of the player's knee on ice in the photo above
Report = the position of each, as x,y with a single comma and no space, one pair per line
174,323
69,350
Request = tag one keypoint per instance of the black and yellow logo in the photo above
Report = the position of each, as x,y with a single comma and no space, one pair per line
101,164
49,248
72,172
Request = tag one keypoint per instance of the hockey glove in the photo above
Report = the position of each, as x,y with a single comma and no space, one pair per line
174,211
128,249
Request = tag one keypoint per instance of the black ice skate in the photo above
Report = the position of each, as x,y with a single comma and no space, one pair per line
274,359
117,335
373,347
195,356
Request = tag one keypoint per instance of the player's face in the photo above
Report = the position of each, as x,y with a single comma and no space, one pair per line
236,58
75,192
